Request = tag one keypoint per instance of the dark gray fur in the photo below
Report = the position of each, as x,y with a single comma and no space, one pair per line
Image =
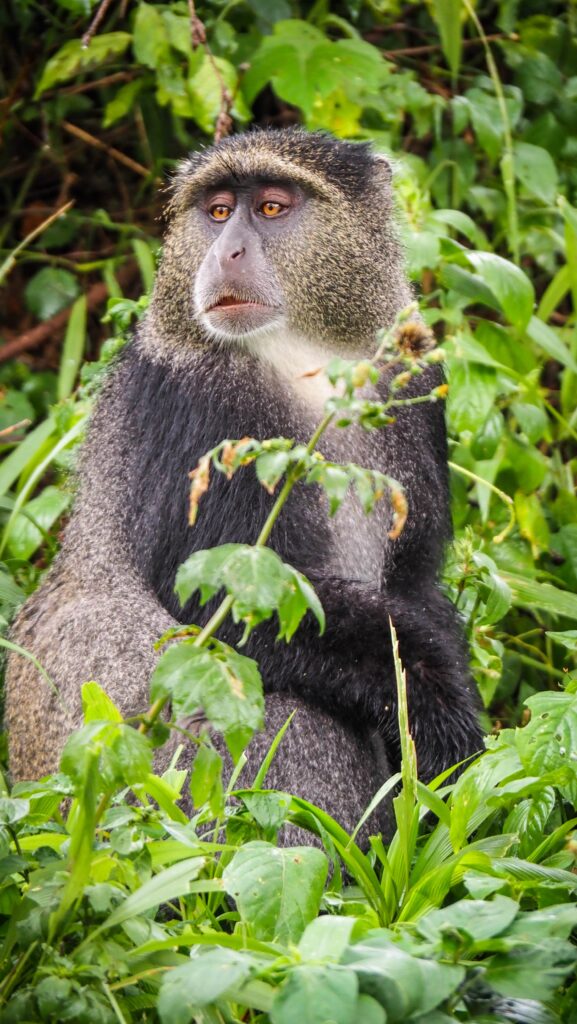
174,394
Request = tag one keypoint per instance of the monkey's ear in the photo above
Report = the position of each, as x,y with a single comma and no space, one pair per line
383,169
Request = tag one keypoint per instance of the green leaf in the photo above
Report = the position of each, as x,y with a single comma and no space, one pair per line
97,705
73,349
226,685
277,891
334,480
122,103
205,92
203,570
326,938
547,339
532,594
205,774
36,518
202,982
257,579
532,522
150,42
316,995
535,168
568,638
510,286
49,291
73,57
166,885
549,740
472,392
299,598
404,985
534,972
447,15
481,919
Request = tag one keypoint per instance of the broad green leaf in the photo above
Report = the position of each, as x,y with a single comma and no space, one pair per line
73,58
202,982
404,985
49,291
316,995
35,519
277,891
73,349
535,168
509,284
534,972
481,919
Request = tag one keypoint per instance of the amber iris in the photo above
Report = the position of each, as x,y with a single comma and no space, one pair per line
220,212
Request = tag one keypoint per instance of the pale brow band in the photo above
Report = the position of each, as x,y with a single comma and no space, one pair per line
190,180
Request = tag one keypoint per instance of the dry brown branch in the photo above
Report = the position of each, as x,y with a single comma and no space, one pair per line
55,325
92,28
111,151
98,83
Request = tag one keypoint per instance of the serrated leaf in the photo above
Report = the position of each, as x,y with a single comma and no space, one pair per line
256,578
203,570
226,685
277,891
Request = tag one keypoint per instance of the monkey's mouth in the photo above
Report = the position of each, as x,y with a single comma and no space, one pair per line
233,302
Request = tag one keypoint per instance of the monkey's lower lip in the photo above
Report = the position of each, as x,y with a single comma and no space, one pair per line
231,304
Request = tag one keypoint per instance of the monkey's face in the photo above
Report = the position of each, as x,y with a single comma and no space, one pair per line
237,291
279,235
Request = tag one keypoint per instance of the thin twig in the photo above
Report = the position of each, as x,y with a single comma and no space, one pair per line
91,140
98,83
11,259
198,36
416,51
92,28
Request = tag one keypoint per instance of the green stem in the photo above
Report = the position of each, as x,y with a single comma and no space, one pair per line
508,160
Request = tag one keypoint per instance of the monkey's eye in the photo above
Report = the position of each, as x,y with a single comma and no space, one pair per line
271,209
218,211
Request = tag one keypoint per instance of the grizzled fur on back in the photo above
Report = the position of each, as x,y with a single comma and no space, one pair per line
175,393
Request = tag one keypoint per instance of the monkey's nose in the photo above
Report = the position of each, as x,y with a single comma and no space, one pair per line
236,255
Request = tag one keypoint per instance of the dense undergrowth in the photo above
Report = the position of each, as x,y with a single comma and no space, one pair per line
127,911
